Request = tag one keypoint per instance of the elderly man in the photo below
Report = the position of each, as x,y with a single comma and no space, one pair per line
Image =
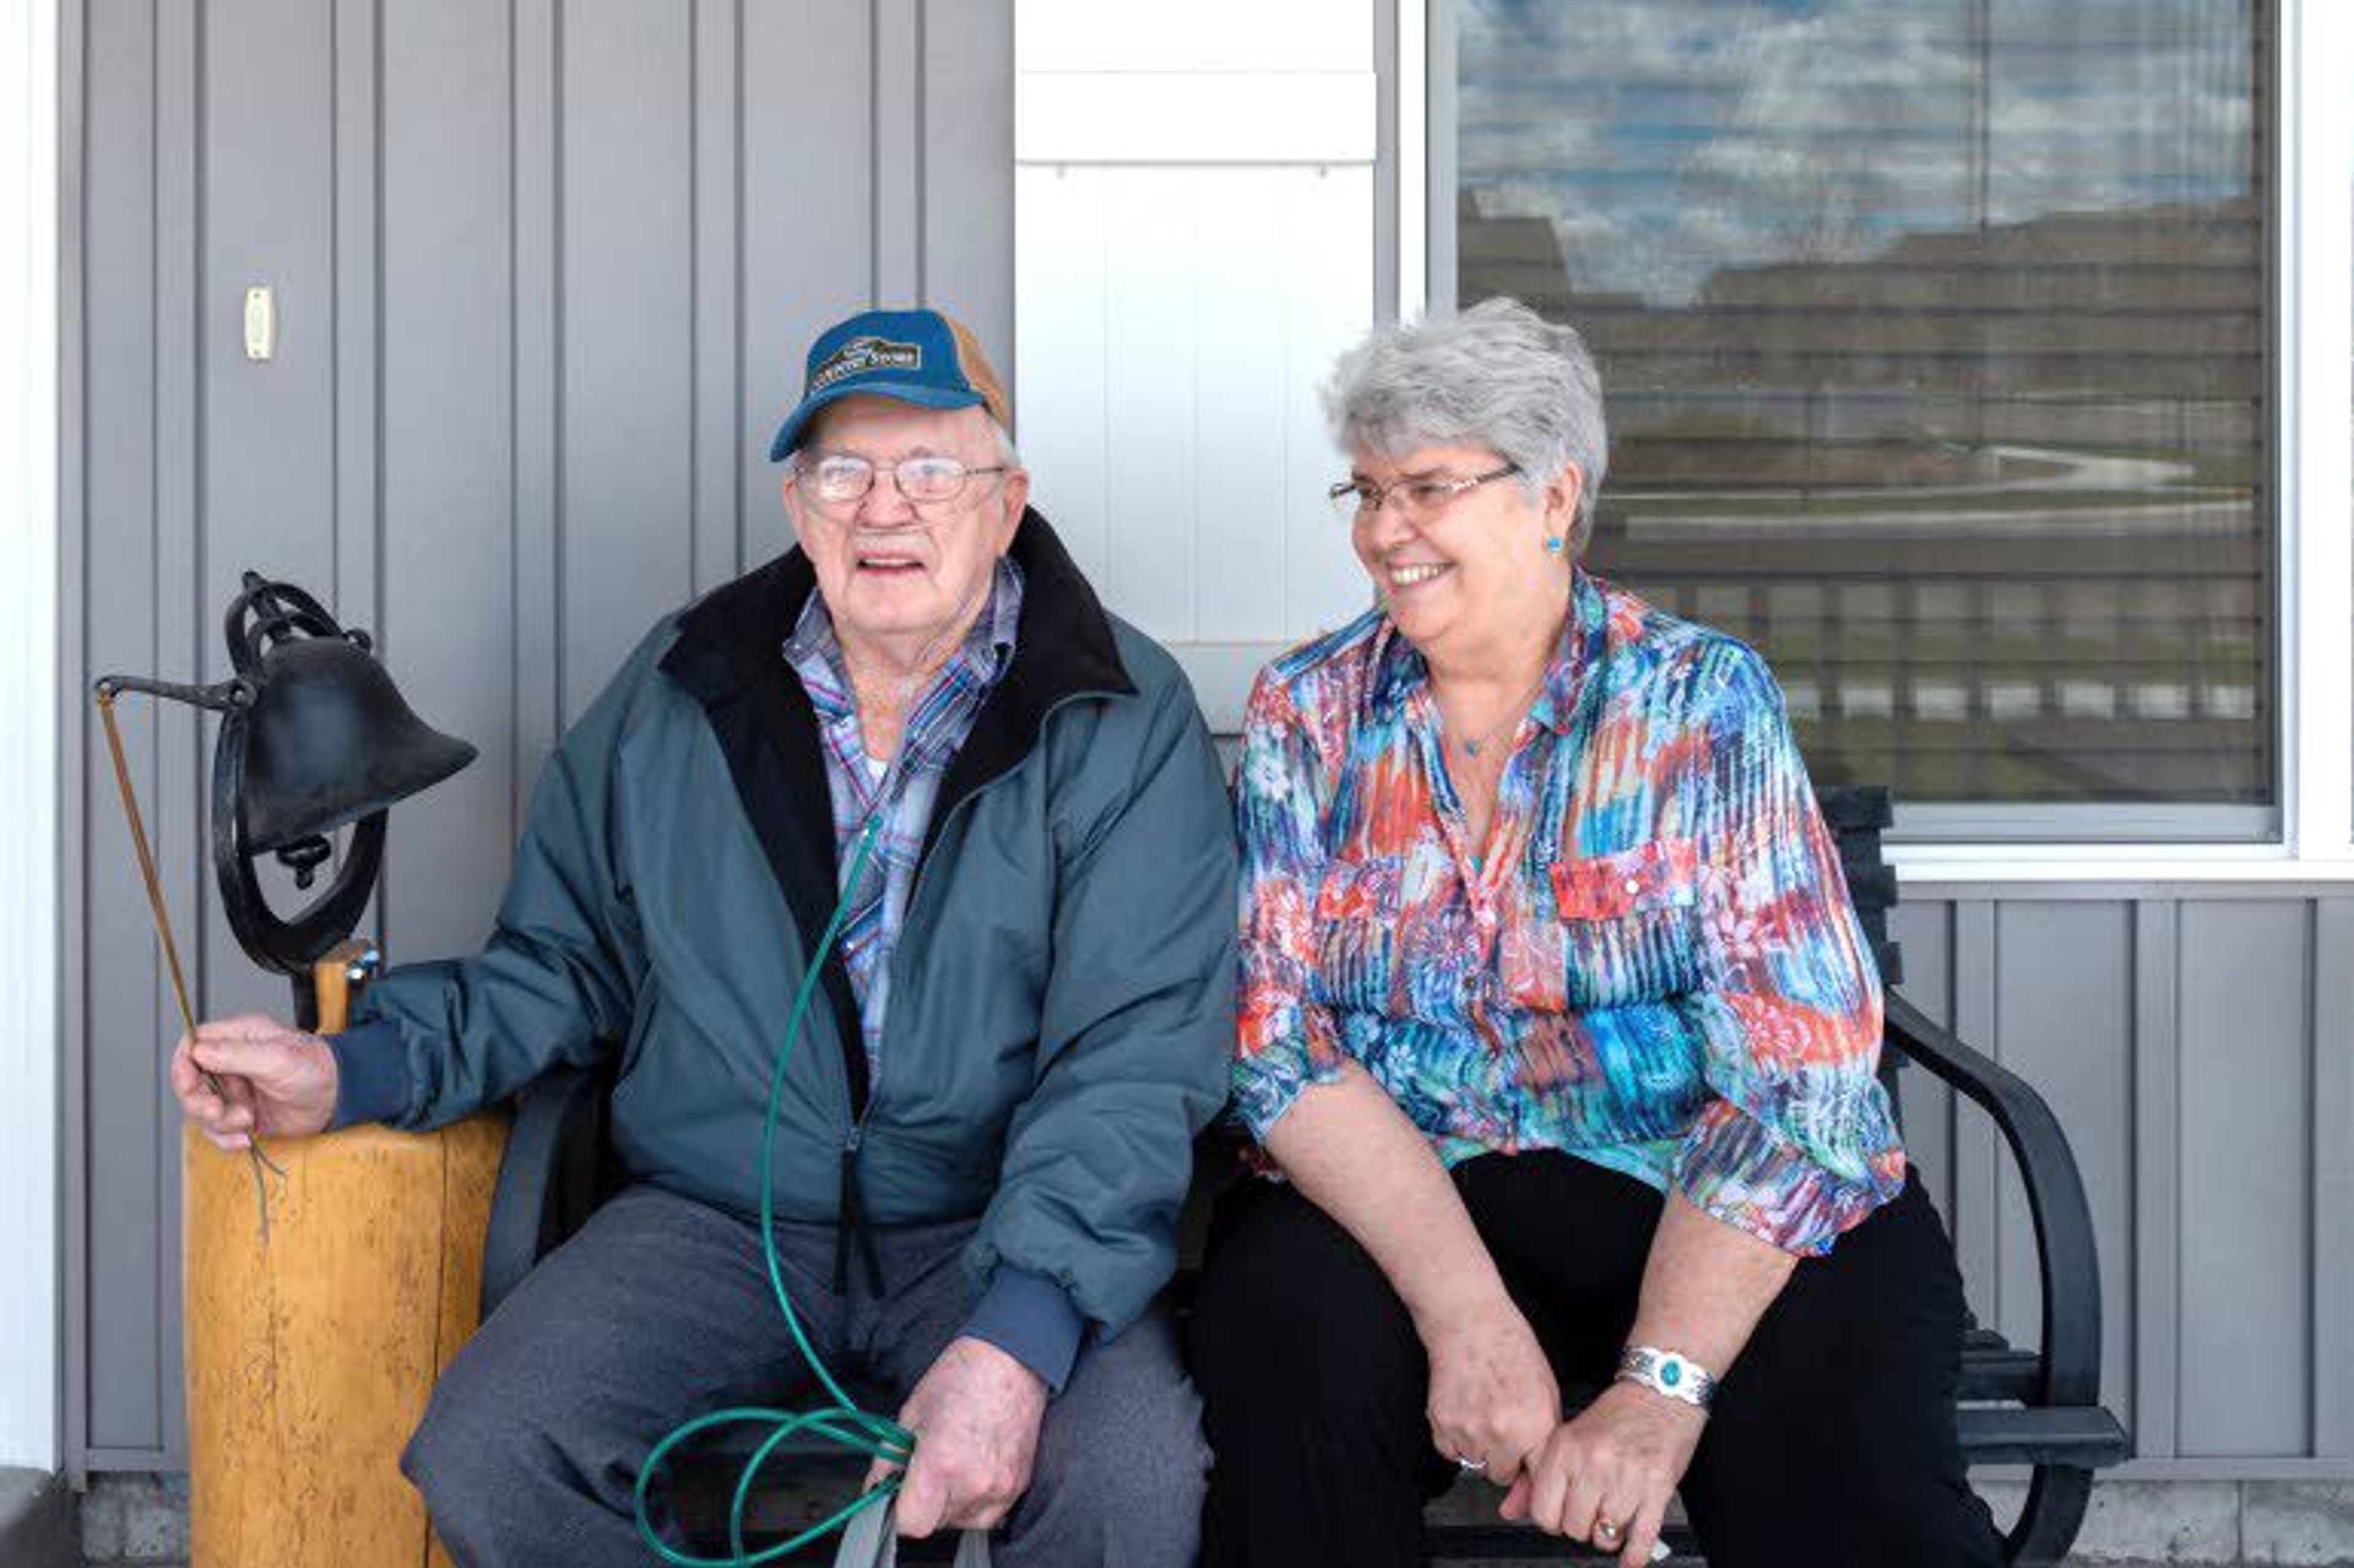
985,1132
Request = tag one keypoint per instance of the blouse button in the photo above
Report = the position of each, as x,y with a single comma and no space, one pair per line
1634,885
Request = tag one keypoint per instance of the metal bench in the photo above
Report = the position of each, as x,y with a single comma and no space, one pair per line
2036,1407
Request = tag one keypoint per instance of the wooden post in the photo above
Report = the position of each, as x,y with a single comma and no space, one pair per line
310,1355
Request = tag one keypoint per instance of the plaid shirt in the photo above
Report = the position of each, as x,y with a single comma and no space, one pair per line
1654,966
902,792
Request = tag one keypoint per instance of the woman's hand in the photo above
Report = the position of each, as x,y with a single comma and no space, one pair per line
1353,1153
1617,1464
1492,1395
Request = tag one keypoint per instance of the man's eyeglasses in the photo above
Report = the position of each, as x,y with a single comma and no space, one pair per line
1417,499
839,480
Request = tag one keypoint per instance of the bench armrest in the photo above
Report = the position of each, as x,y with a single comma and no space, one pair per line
547,1178
2055,1198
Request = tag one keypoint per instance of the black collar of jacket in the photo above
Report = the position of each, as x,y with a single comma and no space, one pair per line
730,656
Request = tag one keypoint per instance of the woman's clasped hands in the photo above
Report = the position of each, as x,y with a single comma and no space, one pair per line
1604,1477
1607,1475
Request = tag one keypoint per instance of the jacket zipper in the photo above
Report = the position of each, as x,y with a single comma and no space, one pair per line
925,865
853,1224
853,1227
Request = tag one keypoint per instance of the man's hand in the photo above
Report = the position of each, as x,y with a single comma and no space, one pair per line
1617,1464
275,1082
1492,1395
975,1416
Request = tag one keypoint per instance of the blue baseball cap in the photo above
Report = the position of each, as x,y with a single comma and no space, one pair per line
922,357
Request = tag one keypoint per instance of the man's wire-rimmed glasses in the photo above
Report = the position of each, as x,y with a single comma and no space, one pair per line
838,479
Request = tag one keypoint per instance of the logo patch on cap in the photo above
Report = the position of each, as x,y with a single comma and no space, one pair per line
861,355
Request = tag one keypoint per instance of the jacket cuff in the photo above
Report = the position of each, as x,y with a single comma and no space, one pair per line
371,1073
1032,1319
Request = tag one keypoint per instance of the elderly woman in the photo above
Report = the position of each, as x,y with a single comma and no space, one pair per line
1558,1024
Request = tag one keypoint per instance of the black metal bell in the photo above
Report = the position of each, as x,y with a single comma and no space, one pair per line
328,740
313,737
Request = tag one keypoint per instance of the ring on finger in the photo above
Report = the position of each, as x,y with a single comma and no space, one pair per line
1470,1467
1606,1533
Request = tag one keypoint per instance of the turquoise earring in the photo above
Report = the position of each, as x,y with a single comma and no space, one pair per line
1553,546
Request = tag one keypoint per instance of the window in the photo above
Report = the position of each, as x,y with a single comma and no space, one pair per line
1935,339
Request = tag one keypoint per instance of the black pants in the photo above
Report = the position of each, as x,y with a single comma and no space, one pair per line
1831,1442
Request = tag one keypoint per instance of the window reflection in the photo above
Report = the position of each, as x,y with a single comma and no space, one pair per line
1934,333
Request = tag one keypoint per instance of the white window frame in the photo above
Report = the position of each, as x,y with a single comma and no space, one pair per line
2314,97
29,1336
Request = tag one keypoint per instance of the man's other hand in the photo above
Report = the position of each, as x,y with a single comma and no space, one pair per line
275,1082
975,1416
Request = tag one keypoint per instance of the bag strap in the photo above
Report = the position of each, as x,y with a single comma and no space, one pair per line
869,1542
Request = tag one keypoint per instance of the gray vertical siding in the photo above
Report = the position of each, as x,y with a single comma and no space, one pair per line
2330,1128
2198,1044
434,436
544,271
2243,1156
2063,1019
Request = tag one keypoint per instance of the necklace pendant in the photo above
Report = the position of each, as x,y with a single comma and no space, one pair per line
1472,748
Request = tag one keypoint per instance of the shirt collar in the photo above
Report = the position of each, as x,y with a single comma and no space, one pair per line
1001,615
1584,640
987,648
1400,670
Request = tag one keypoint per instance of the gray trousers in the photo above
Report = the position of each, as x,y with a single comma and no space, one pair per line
659,1310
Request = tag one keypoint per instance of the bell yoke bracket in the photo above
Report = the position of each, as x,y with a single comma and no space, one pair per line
261,620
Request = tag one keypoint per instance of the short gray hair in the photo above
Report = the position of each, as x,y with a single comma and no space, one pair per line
1497,375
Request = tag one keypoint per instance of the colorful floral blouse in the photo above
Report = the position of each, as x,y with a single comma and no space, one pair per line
1653,965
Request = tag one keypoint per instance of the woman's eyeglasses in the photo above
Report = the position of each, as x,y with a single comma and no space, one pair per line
1417,499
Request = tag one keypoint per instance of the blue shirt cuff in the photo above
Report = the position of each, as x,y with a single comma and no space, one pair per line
371,1073
1032,1319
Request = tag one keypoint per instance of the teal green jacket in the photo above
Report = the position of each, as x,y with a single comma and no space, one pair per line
1062,996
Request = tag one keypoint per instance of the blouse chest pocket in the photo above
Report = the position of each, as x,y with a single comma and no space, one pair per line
1629,924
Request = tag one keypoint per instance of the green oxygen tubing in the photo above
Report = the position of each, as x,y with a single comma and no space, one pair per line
842,1422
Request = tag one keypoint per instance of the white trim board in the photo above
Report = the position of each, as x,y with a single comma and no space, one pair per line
2315,338
1413,159
1218,81
1195,117
29,1343
2140,871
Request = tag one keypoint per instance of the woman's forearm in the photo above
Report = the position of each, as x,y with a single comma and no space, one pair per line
1705,1286
1351,1152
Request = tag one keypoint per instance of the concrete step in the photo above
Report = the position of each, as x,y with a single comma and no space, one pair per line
142,1521
37,1518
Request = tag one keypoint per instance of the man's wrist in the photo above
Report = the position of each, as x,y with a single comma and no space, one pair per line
1032,1319
371,1068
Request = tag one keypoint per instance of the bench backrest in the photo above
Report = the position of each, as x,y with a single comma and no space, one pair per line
1857,814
